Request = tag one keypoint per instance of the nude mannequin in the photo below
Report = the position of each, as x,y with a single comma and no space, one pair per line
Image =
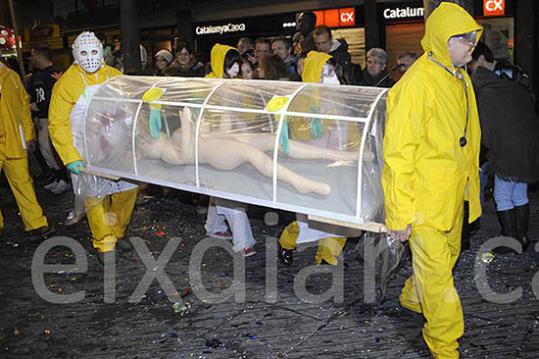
227,151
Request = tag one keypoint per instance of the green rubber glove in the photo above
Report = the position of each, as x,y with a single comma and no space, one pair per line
155,122
283,140
74,167
317,130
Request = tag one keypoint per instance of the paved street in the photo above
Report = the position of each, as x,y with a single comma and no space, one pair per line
30,327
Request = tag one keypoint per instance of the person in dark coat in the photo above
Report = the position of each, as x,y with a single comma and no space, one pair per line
184,64
375,73
510,132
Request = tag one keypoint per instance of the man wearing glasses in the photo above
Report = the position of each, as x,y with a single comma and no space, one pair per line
431,166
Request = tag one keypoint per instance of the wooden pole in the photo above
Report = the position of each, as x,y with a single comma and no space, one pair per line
17,44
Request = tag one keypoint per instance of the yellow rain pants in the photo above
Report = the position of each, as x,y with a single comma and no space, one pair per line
329,248
430,290
109,217
21,184
16,130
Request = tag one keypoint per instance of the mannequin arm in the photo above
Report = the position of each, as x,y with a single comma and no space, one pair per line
187,146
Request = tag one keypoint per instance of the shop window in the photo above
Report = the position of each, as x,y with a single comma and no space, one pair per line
403,38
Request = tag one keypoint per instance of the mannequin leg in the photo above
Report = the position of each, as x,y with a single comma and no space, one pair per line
227,154
264,165
300,150
305,151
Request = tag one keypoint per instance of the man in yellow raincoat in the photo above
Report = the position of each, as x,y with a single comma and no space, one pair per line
108,218
431,166
16,135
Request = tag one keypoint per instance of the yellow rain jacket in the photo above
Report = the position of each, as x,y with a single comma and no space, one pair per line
65,94
427,175
16,129
300,128
217,59
15,120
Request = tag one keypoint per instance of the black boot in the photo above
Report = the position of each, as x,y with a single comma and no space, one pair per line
509,228
522,215
124,245
286,255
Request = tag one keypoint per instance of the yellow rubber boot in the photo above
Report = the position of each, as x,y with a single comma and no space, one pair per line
329,250
289,236
1,220
122,204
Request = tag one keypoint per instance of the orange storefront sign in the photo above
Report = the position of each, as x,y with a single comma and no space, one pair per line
493,7
336,17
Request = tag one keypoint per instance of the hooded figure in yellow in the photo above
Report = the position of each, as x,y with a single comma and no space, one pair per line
431,166
108,218
225,62
329,245
302,129
16,132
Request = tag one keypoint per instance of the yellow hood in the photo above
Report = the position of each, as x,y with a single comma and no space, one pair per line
312,67
446,21
217,58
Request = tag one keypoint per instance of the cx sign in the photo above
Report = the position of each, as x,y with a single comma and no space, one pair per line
342,17
493,7
347,17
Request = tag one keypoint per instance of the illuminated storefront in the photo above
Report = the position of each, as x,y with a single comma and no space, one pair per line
404,26
345,23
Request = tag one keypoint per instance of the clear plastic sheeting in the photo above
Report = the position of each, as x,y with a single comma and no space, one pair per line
308,148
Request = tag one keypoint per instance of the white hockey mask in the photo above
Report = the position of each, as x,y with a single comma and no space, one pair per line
88,52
